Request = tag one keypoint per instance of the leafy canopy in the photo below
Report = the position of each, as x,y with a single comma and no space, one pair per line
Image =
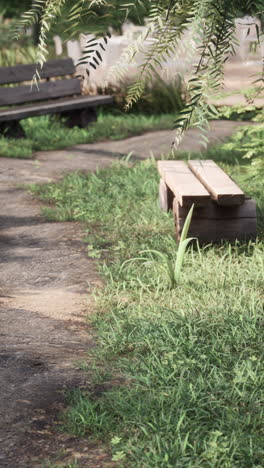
212,26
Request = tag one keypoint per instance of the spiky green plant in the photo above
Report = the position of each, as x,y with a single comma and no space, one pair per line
212,24
172,268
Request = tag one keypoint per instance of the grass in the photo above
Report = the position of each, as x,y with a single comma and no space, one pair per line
108,126
68,465
189,357
248,112
51,465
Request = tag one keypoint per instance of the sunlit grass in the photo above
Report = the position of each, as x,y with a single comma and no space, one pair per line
190,357
45,133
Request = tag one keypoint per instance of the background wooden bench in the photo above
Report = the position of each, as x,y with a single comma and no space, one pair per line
221,209
61,96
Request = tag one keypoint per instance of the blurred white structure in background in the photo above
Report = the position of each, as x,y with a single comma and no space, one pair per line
74,50
246,33
247,52
58,45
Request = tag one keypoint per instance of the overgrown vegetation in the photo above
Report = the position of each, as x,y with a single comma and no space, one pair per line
159,97
212,37
189,358
108,126
14,52
241,113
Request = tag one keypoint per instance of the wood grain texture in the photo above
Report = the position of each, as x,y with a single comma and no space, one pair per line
211,224
54,107
20,73
166,196
222,189
183,183
215,211
45,91
209,230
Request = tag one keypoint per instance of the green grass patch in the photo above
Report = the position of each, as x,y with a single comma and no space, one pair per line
190,358
108,126
248,112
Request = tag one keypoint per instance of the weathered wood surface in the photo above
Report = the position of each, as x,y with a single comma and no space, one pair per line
54,107
215,211
166,196
20,73
218,228
207,231
45,91
217,182
183,183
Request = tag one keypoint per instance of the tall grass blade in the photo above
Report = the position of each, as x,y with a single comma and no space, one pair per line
184,241
187,223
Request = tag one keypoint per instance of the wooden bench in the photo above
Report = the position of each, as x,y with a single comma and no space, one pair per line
61,96
221,209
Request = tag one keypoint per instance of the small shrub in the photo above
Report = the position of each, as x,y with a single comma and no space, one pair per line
159,97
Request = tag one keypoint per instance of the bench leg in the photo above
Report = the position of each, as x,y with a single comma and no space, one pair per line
12,129
166,196
79,118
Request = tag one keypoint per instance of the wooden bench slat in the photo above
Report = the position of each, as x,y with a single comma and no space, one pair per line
215,223
54,107
217,182
20,73
49,90
207,231
166,196
183,183
215,212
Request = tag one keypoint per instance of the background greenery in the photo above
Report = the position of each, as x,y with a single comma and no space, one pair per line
15,8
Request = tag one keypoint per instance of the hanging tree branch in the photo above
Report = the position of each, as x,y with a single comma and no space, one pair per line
211,22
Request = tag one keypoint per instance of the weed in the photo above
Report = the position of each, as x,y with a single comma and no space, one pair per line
170,269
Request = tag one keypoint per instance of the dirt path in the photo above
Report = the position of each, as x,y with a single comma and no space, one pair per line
45,280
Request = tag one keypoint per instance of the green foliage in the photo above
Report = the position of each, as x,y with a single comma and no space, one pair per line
241,113
212,29
190,359
108,126
18,55
5,36
13,9
170,269
248,141
15,52
159,97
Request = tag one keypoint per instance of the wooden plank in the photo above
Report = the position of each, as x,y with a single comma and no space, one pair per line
215,211
217,182
208,230
183,183
166,196
217,229
45,91
20,73
54,107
